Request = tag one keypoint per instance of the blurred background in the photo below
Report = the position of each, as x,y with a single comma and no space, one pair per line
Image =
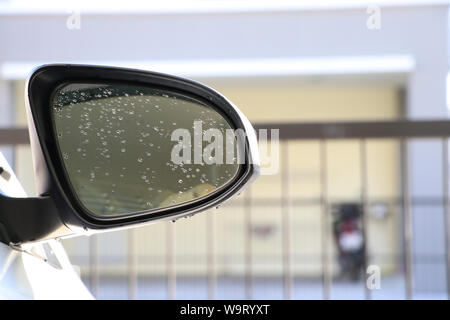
344,198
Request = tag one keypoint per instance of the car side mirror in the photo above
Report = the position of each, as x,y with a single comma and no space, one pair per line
117,148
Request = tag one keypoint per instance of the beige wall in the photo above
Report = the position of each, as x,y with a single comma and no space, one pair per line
306,102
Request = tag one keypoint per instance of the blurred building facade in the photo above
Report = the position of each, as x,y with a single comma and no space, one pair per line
283,62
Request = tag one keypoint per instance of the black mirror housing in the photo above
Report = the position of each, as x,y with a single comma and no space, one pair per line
58,212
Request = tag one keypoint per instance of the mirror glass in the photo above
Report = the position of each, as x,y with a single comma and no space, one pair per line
129,149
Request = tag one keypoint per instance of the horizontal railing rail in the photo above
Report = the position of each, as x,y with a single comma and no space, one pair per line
314,130
359,130
13,136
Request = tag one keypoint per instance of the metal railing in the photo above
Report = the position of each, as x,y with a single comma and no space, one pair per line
323,133
402,130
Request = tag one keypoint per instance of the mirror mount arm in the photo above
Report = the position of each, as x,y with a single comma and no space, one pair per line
25,220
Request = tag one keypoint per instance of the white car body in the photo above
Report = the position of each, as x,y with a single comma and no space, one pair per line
25,272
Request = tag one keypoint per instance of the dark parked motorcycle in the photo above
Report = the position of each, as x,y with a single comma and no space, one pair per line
349,239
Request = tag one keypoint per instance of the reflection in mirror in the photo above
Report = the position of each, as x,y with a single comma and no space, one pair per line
129,149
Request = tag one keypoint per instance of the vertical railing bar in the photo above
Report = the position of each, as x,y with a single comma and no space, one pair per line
132,264
170,260
407,222
445,182
248,245
211,262
364,214
326,265
93,264
286,236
